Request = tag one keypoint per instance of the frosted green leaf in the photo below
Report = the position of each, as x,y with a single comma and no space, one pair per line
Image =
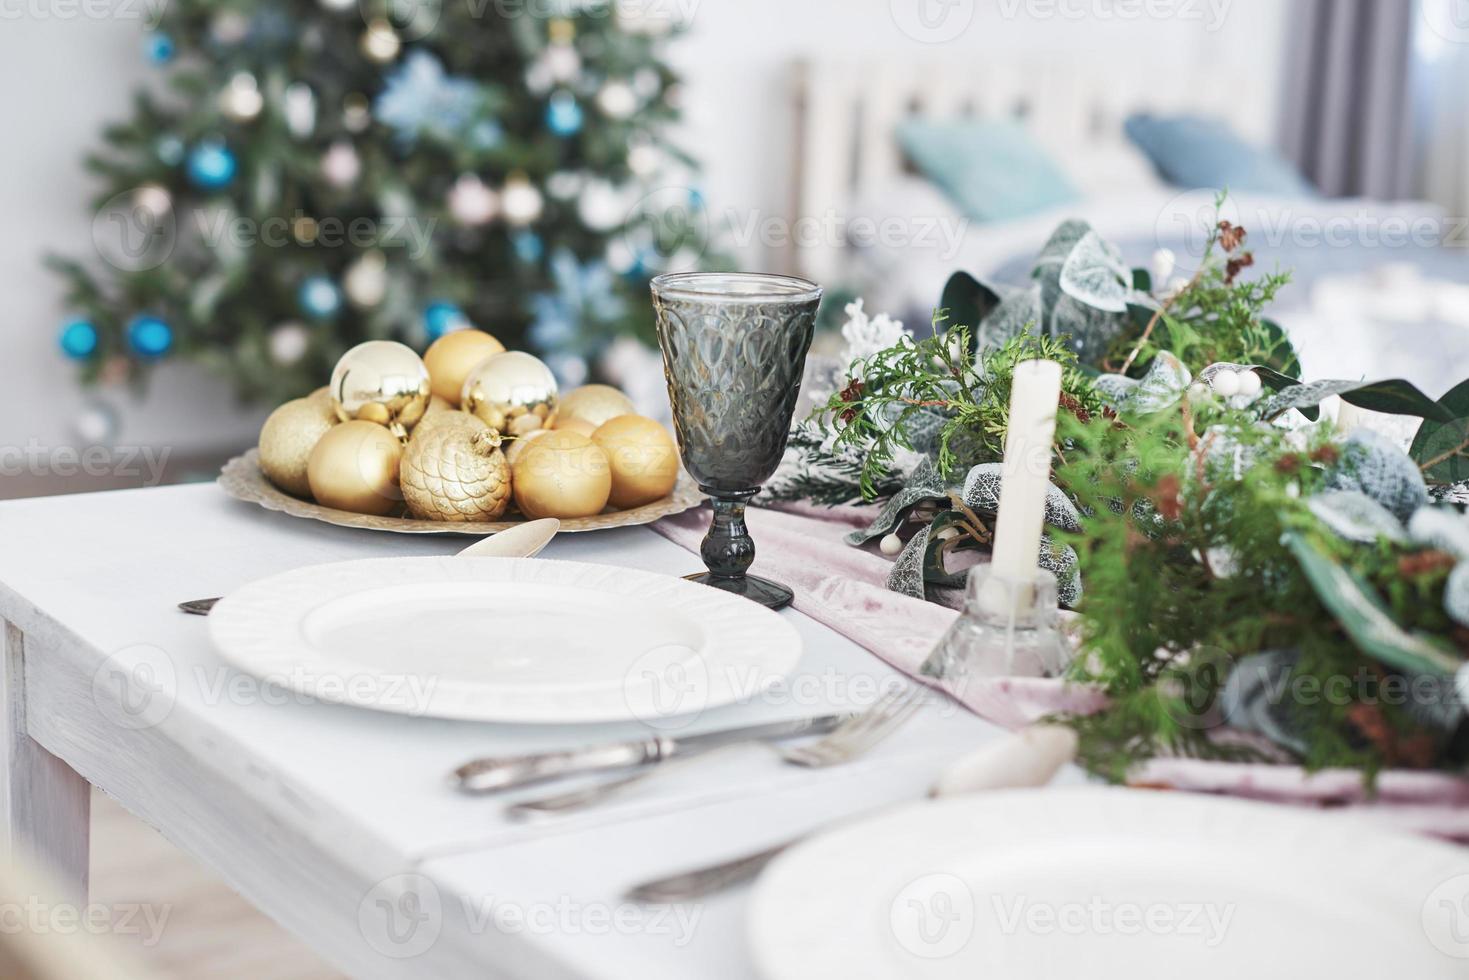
982,493
1356,516
924,484
1374,465
1443,528
1095,275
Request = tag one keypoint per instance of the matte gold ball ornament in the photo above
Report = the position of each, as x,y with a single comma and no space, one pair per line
355,467
381,381
287,438
507,386
593,403
561,474
450,359
453,470
642,457
518,445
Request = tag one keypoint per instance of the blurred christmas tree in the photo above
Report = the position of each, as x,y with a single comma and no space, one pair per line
321,173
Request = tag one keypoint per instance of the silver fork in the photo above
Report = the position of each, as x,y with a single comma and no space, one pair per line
853,737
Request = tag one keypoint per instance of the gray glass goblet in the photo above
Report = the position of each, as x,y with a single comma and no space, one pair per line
734,347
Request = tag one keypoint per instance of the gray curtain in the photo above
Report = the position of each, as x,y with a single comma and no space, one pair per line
1347,119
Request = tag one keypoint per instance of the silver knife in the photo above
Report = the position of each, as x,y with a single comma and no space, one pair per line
505,772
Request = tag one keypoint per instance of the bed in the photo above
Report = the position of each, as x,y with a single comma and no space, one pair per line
1380,288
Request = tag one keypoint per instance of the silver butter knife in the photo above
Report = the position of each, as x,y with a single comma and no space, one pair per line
505,772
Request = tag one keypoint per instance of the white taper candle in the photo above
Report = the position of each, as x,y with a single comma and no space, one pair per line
1026,474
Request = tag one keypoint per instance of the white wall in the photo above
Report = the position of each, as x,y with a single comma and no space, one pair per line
63,78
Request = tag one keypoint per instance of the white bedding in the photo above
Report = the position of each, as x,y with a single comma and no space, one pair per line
1377,294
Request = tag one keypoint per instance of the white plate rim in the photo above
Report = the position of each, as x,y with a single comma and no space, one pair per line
779,923
256,629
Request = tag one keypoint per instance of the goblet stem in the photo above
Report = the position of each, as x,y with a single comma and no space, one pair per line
728,550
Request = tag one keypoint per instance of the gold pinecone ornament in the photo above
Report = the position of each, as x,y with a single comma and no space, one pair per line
454,470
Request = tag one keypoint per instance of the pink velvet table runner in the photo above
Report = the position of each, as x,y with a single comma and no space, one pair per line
843,588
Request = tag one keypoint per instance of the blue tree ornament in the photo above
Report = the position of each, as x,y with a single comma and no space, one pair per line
441,317
528,246
148,336
563,114
211,166
78,339
159,48
319,298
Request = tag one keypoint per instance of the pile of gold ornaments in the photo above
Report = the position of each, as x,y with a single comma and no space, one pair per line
464,433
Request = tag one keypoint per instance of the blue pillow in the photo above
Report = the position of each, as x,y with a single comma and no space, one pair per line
1198,151
991,169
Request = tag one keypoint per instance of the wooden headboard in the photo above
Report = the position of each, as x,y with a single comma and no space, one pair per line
846,112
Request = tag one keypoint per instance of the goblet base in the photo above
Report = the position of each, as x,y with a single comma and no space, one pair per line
771,595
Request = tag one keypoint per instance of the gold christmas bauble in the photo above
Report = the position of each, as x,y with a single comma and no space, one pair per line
516,446
287,438
450,359
642,457
381,381
594,403
504,387
355,467
578,425
561,474
453,470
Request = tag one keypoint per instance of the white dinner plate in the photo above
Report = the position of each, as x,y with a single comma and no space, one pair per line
1112,884
504,639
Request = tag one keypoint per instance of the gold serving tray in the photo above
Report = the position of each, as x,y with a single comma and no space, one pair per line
243,479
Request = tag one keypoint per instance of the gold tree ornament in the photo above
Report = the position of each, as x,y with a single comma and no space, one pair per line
592,403
450,359
453,470
355,467
642,457
381,381
561,474
504,387
287,438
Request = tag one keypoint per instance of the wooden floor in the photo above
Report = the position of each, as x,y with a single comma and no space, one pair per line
210,931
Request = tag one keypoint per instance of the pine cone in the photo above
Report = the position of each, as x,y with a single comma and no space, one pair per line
454,470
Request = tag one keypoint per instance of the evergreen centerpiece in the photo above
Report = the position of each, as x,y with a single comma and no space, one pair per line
321,174
1250,581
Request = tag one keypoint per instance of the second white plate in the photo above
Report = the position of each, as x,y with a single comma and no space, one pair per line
509,640
1112,884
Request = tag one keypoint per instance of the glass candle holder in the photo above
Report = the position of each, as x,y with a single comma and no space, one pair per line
734,348
1006,629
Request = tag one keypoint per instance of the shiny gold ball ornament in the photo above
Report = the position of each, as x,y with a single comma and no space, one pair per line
287,438
504,387
453,470
561,474
381,381
355,467
450,359
642,457
593,403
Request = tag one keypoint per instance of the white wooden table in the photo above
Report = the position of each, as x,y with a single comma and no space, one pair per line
322,814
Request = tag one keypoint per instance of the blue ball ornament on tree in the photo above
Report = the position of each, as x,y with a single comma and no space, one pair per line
563,114
159,48
528,246
319,298
443,317
78,339
149,337
212,166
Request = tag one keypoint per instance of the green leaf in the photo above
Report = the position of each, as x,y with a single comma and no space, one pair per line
1284,362
1395,397
1364,617
1438,442
968,301
1094,274
1016,312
